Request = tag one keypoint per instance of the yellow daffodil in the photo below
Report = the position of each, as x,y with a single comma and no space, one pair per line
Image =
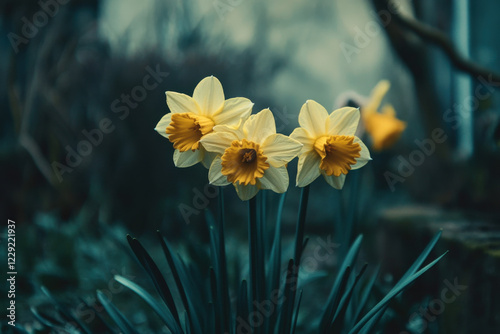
383,127
251,156
330,147
192,118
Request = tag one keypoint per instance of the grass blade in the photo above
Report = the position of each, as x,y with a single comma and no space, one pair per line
115,314
394,292
164,314
155,275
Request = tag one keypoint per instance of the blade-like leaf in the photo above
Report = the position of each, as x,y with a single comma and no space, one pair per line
120,320
394,292
155,275
163,313
335,293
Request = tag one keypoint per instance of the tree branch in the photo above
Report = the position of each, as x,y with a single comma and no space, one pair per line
440,39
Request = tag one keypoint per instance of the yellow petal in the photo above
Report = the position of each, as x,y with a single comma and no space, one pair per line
388,110
275,179
336,182
280,149
217,142
162,125
188,158
233,111
246,192
209,95
308,169
181,103
364,155
312,117
302,136
376,96
259,126
236,130
215,175
384,129
343,121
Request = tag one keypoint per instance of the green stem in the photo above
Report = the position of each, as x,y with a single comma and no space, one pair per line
299,234
253,252
223,277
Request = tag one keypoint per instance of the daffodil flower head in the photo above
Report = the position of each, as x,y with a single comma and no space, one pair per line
251,156
192,118
330,147
383,127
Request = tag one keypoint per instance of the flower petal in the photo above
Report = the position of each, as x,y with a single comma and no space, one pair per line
209,95
275,179
181,103
161,127
302,136
343,121
218,142
236,130
312,117
280,149
377,95
388,110
364,155
308,169
215,175
233,111
246,192
208,158
335,181
187,159
259,126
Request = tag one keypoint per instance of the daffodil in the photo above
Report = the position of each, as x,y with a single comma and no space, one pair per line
192,118
383,127
251,156
330,147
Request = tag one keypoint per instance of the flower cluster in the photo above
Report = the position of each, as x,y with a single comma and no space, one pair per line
245,150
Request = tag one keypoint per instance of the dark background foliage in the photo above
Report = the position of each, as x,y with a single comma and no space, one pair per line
63,79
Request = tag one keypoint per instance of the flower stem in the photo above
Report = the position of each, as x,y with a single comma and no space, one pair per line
299,233
255,268
223,276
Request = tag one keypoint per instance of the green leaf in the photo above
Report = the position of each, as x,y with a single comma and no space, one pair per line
164,314
120,320
181,281
338,319
394,292
155,275
335,293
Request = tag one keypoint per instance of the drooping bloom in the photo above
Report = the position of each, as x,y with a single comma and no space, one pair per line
330,147
192,118
251,156
383,127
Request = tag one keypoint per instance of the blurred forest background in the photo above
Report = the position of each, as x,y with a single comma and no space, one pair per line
71,67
